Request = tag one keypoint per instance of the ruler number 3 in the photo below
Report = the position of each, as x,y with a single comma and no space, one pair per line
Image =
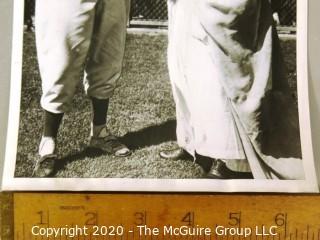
140,218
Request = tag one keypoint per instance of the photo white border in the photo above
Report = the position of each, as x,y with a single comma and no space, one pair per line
310,184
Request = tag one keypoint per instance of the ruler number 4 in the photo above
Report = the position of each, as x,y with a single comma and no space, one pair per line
188,218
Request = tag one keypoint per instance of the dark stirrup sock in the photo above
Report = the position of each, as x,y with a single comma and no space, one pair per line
51,123
100,109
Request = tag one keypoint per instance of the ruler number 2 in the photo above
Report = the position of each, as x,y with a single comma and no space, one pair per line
92,218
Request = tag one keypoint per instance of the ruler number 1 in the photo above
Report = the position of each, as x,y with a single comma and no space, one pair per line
42,217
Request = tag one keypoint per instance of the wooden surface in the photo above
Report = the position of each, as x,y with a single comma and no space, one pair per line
293,217
6,216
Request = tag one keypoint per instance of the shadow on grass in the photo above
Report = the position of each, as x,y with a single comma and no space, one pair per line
85,153
152,135
149,136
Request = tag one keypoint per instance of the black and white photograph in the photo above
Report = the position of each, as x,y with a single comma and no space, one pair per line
156,95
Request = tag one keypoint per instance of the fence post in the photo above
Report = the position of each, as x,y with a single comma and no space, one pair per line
129,13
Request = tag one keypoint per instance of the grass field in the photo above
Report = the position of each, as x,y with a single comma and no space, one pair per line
141,112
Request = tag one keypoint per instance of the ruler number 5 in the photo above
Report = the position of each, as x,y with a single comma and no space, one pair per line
235,218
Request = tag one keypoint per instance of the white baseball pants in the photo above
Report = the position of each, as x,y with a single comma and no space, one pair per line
79,35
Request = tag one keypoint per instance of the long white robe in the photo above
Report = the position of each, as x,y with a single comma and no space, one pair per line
232,98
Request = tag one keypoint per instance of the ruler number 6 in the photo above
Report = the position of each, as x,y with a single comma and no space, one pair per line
234,218
280,219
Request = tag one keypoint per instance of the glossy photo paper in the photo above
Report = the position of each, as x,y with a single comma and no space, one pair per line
215,98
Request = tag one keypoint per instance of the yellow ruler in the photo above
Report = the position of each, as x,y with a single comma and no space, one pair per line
165,216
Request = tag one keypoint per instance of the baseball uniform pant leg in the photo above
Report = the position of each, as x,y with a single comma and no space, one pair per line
105,56
63,37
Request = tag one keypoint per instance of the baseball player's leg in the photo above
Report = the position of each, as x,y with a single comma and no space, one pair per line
106,53
104,68
63,36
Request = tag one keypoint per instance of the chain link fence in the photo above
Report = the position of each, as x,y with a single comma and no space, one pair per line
288,12
149,10
29,9
154,13
146,11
